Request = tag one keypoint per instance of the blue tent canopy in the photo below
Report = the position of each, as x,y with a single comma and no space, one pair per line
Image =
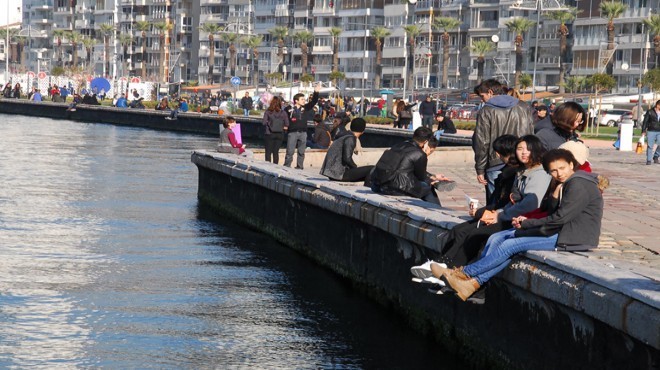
99,84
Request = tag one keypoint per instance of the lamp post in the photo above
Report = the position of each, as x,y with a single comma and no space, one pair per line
639,80
405,48
7,47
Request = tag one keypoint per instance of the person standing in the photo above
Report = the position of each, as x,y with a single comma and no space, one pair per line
247,103
651,129
427,111
501,115
275,119
299,114
338,164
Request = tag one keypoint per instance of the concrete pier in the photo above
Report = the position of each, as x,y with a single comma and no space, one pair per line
548,310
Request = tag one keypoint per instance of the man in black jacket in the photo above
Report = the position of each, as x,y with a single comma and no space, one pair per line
338,164
246,104
501,115
427,111
651,128
401,170
299,114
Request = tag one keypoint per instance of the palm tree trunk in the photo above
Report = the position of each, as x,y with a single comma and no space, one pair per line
144,56
519,63
379,61
445,59
480,69
211,60
75,54
280,55
610,46
656,51
562,59
162,58
411,64
107,56
335,55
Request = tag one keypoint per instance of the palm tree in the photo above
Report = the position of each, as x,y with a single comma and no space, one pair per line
412,31
519,26
334,33
230,39
611,10
88,43
12,36
280,33
59,34
253,43
143,26
106,31
304,37
563,17
20,49
653,23
163,30
125,41
74,38
575,83
379,34
211,29
481,48
445,24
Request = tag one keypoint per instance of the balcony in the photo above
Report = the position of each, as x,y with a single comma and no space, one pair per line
486,25
321,68
449,5
323,10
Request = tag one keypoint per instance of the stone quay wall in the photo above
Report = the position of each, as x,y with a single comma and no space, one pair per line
548,310
191,122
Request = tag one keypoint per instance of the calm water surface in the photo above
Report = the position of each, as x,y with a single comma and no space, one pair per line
106,260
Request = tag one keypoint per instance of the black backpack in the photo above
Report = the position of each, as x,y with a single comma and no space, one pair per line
276,125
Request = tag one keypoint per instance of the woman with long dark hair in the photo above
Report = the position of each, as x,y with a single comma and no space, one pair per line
274,121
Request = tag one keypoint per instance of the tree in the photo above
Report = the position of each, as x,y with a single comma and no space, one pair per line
610,10
74,38
307,78
653,24
58,35
125,41
525,81
412,31
163,34
106,30
211,29
280,33
445,24
274,77
143,26
230,39
334,33
304,38
519,26
253,43
575,83
21,49
601,82
379,34
88,43
652,79
481,48
563,17
336,76
57,71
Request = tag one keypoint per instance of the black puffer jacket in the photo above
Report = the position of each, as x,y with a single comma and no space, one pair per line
651,121
401,169
501,115
578,217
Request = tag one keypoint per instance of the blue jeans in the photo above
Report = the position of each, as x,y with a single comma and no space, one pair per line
438,133
653,138
491,175
295,140
427,121
499,249
246,112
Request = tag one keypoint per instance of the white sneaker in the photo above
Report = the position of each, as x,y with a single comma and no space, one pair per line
429,280
436,290
423,271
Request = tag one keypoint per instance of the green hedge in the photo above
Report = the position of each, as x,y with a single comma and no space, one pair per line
378,120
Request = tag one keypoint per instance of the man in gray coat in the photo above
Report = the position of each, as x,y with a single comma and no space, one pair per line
501,115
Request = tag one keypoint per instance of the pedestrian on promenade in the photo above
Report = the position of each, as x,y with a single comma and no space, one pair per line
401,170
651,129
338,164
299,114
500,115
274,121
247,103
228,142
403,113
574,225
427,111
569,117
636,115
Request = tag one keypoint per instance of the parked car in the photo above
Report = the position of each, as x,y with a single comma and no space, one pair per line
611,117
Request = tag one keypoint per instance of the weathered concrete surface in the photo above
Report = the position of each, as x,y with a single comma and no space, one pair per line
206,124
548,310
452,156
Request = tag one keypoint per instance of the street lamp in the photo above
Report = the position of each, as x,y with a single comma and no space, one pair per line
405,47
539,6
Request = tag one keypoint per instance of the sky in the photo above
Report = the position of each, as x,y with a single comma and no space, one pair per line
14,13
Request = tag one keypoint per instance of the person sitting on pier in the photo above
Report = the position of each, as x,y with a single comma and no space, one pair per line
6,92
401,170
338,164
574,225
163,105
321,138
122,102
228,142
37,95
16,94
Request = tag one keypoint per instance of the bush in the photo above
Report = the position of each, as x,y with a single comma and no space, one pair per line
378,120
465,125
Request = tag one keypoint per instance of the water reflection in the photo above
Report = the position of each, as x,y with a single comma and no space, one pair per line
107,261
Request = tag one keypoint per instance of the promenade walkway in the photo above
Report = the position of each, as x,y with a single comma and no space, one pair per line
630,237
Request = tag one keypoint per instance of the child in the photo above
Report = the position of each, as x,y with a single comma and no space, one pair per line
228,142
